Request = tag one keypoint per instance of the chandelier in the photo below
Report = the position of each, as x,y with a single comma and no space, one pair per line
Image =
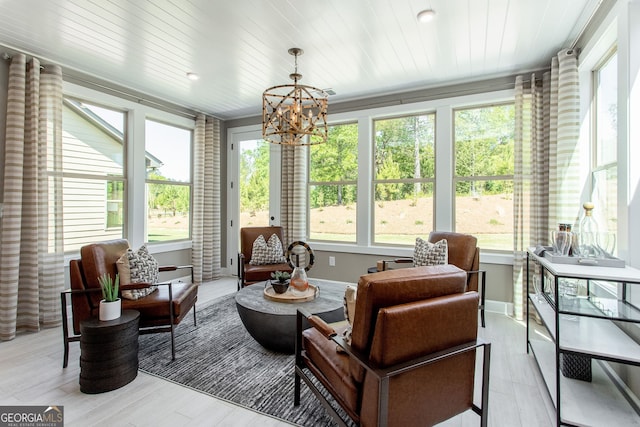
294,114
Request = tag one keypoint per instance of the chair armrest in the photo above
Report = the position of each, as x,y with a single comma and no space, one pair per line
316,322
138,285
395,261
410,365
173,267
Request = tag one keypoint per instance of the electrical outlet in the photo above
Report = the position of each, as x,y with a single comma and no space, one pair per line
332,261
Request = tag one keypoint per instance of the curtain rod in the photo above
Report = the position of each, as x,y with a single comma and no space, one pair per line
586,24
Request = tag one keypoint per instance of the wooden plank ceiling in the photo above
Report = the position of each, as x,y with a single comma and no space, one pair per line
358,48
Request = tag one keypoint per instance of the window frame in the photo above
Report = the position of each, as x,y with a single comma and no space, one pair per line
311,183
443,190
168,181
422,180
477,178
134,159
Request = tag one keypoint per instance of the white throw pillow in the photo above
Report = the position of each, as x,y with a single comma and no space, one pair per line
264,252
427,253
137,267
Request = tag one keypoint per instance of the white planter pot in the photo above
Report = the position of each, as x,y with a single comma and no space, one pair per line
110,310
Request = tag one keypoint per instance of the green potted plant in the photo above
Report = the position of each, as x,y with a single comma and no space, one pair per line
280,281
110,305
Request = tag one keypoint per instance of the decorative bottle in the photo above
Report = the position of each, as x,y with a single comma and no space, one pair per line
588,244
299,282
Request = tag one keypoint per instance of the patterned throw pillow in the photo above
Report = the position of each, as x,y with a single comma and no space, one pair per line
137,267
264,253
427,253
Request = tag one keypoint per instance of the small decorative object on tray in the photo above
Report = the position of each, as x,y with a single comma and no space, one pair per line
584,245
310,294
280,281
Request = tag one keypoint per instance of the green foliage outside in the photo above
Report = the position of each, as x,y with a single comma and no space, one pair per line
335,164
484,147
254,178
404,166
167,198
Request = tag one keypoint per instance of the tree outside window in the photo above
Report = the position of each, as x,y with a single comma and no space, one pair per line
333,173
168,162
404,177
483,177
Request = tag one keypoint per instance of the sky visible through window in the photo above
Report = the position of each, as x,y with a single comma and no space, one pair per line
169,144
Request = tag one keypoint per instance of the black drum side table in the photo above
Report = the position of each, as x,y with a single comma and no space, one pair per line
108,352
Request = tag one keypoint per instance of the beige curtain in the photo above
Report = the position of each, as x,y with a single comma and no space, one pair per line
206,229
293,208
547,184
31,251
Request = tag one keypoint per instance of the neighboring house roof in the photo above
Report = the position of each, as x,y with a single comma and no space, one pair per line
104,126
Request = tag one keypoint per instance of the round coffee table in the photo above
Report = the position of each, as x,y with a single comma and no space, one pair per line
273,324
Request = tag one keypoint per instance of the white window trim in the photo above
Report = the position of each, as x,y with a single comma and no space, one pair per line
444,196
135,224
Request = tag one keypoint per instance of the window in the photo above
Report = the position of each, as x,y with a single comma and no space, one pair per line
168,192
254,183
332,185
605,143
93,170
404,177
483,176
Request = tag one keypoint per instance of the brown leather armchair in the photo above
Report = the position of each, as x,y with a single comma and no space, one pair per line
463,252
412,358
248,273
159,311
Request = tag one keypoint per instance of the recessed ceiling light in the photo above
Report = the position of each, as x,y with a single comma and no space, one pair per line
193,76
426,15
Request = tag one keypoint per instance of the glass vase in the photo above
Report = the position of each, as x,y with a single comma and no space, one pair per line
588,245
299,283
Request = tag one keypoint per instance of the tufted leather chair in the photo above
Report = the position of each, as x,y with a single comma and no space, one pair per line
248,273
159,311
412,358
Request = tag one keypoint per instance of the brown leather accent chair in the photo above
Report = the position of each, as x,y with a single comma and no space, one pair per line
248,273
159,311
463,252
412,358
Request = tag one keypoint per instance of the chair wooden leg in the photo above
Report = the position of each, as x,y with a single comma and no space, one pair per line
195,322
482,298
65,330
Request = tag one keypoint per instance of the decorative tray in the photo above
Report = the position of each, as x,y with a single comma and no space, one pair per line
601,262
310,294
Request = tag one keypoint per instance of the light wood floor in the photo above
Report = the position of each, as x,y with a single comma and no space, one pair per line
31,373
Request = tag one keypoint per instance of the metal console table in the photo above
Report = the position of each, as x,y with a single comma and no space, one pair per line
588,327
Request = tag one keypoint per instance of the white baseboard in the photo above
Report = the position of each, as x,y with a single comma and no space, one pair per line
500,307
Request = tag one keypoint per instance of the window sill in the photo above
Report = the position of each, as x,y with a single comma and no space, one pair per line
486,257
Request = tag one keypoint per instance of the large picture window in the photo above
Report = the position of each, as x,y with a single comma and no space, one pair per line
404,177
93,168
483,176
168,164
332,185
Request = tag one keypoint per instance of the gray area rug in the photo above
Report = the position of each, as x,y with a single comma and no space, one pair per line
220,358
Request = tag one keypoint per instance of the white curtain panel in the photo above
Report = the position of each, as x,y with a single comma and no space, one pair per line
547,182
206,229
31,247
